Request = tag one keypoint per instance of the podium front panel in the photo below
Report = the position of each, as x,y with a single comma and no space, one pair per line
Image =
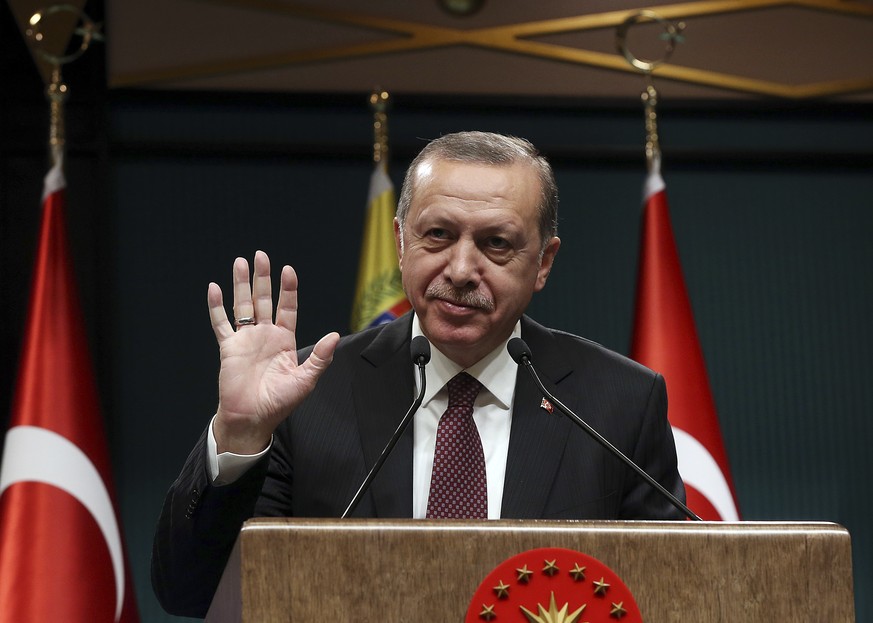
389,571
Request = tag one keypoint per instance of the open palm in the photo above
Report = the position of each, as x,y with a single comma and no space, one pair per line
260,381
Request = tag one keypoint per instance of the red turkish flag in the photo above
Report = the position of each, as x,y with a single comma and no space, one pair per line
61,552
665,339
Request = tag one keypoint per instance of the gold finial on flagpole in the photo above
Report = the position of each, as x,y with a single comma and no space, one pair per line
379,101
672,35
56,91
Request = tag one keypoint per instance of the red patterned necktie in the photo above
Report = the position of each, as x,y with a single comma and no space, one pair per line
458,487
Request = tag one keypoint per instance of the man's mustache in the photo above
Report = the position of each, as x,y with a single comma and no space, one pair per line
460,296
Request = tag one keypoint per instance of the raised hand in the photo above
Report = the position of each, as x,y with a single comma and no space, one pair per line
260,382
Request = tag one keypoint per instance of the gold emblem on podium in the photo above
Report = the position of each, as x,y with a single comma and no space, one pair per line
549,585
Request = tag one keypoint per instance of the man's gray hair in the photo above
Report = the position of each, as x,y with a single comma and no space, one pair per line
490,149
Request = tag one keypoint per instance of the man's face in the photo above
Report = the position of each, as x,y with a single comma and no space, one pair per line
470,255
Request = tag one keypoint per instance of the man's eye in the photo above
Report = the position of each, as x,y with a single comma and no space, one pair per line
438,233
496,242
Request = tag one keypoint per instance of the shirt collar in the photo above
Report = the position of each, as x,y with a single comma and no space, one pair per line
496,370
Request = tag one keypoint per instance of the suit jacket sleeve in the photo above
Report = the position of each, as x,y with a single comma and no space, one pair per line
196,531
318,457
655,453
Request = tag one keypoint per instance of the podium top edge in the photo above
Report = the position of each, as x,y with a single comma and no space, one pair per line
542,525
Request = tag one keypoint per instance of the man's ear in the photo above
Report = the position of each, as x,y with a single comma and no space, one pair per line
546,262
398,245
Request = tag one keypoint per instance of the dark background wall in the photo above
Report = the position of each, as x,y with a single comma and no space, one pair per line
771,204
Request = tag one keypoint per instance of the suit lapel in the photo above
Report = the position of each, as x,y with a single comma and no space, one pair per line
537,437
383,389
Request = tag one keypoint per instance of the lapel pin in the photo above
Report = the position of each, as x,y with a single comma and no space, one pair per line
545,404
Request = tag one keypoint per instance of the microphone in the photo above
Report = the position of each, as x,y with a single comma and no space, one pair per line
520,353
420,350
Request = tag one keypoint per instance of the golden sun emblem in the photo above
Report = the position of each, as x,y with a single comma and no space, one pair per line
552,615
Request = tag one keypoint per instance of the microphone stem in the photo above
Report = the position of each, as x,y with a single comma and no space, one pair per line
391,443
606,444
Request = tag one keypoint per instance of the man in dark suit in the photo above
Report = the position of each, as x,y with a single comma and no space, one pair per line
475,232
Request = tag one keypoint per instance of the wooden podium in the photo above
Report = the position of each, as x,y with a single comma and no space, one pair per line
407,570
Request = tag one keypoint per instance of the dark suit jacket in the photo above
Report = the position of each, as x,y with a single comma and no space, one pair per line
322,452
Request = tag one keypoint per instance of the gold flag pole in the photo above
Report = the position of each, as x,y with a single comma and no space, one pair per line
653,146
56,91
379,296
672,36
379,101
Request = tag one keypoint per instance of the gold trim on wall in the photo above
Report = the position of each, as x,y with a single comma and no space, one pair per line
515,39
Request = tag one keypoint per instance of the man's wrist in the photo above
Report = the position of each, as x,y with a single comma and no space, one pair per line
227,467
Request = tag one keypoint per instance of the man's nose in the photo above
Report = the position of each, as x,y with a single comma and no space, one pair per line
464,264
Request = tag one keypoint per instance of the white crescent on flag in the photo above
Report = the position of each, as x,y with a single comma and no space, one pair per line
34,454
698,469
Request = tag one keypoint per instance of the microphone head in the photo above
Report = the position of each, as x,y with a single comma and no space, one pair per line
518,350
420,349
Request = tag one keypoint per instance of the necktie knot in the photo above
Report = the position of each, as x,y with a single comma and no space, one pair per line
463,390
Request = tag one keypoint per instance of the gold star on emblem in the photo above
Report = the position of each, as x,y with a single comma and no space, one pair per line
501,590
618,610
524,574
600,587
487,612
552,615
578,573
551,567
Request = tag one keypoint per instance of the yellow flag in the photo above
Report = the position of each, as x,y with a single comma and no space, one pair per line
379,296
